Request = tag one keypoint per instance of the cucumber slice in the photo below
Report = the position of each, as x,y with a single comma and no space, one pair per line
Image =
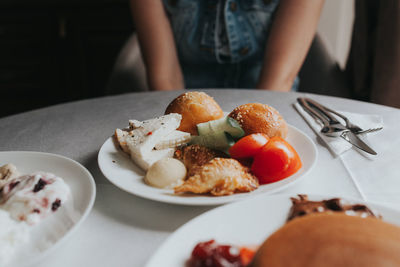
220,141
225,124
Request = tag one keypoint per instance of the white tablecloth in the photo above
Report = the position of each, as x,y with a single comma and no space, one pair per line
125,230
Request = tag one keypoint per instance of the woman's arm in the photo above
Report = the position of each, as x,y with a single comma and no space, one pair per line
291,35
157,45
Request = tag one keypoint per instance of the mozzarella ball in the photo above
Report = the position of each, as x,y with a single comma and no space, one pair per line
166,173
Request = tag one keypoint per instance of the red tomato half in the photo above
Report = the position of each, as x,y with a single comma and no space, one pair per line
246,255
248,146
275,161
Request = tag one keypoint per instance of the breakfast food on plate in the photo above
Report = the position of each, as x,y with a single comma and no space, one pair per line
12,235
166,173
151,140
260,118
193,156
33,197
271,159
275,161
248,146
302,206
195,108
210,253
225,124
331,239
24,201
329,232
220,176
221,154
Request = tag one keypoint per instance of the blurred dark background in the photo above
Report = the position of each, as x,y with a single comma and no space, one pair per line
58,51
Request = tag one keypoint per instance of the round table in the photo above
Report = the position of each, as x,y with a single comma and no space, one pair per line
125,230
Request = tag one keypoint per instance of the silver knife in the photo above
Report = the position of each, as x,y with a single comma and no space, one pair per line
353,139
328,119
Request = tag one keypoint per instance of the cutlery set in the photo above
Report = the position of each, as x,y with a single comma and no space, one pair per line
332,127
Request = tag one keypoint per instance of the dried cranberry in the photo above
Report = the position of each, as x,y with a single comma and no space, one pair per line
56,204
39,186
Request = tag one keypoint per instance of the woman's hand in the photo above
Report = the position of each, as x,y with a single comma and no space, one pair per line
157,45
291,35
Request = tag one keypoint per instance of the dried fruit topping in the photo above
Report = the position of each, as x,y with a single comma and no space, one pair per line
211,254
56,204
39,186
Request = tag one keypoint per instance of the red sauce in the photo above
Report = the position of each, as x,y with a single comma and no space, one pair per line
211,254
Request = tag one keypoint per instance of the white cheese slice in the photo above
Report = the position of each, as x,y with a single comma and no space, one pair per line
150,158
145,137
142,140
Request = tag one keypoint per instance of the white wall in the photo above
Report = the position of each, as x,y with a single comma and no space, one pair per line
335,27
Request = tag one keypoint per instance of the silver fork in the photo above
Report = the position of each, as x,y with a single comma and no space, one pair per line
349,125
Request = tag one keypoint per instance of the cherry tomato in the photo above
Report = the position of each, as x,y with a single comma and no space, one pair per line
246,255
275,161
248,146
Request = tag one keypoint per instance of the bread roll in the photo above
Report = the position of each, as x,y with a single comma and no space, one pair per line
260,118
333,239
195,107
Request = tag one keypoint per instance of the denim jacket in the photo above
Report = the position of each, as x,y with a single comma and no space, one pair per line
194,23
203,29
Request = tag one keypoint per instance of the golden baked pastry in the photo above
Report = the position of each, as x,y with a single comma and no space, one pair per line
195,108
196,155
220,176
260,118
331,239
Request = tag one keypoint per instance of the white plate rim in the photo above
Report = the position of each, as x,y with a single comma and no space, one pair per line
84,215
211,200
186,228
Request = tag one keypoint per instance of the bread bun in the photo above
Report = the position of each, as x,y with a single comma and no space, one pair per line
195,107
260,118
331,240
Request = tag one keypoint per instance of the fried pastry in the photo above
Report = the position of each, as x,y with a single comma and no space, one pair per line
220,176
194,156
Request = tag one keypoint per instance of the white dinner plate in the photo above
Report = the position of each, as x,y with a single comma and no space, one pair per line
52,231
118,168
246,223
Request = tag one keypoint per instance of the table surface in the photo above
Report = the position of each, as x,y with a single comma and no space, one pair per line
125,230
